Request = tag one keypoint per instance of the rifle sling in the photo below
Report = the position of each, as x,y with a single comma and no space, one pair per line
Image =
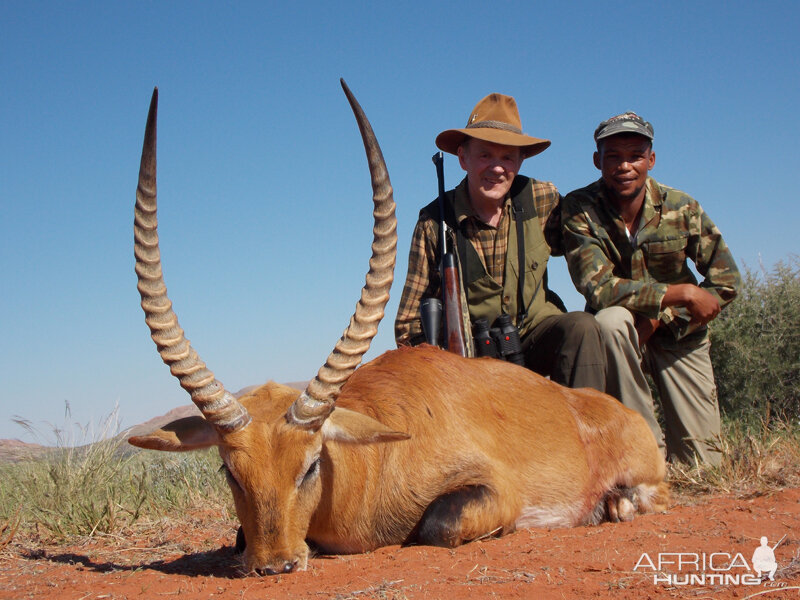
518,220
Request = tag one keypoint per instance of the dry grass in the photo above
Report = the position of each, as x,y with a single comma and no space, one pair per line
89,484
387,590
753,462
9,529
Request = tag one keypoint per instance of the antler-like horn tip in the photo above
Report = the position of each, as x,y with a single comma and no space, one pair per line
220,408
350,97
154,99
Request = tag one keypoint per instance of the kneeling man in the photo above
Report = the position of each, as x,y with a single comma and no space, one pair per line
503,227
627,241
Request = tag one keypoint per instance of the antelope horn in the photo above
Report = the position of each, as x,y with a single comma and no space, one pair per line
314,405
218,406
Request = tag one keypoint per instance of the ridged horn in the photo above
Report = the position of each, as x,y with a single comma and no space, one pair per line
218,406
314,405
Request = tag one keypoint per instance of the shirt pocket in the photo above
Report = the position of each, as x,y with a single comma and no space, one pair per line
536,259
535,266
665,259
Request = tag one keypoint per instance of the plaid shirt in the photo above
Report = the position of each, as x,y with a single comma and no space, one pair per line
491,244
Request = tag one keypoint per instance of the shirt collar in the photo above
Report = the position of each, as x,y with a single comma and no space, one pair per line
652,198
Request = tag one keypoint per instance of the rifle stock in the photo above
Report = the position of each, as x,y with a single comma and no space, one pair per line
451,289
453,316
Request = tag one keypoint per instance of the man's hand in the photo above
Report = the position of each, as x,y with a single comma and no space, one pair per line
701,304
645,328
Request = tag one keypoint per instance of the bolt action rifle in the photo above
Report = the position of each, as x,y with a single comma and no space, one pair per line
451,290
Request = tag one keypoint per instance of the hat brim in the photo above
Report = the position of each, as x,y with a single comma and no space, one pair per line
451,139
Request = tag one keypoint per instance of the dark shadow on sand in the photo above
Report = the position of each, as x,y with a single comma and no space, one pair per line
213,563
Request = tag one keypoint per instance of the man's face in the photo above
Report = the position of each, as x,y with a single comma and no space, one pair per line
490,168
624,161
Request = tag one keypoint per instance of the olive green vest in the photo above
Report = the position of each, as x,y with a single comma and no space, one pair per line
487,298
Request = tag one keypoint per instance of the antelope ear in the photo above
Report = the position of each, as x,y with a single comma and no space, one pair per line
189,433
345,425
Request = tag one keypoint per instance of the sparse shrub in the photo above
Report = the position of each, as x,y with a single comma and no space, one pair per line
756,347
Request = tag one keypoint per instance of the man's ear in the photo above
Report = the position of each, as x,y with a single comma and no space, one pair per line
460,151
596,158
652,162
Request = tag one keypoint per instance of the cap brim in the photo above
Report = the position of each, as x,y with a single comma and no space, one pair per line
449,140
620,129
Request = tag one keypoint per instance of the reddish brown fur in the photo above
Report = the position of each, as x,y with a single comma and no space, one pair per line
548,455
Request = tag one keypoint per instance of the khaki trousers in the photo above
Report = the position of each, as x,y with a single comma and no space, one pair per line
683,376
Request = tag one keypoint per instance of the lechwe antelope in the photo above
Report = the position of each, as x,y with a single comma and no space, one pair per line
422,447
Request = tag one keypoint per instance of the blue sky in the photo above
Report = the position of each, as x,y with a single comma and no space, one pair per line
264,198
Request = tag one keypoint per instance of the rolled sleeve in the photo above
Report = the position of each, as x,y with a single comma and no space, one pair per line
715,262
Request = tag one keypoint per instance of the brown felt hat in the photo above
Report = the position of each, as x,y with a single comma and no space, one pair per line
494,119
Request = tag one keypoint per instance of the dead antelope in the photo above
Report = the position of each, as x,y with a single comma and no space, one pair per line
423,447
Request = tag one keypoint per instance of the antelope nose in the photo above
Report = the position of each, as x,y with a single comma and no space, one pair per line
287,567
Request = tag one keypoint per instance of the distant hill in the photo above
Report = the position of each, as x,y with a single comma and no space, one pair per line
16,450
188,410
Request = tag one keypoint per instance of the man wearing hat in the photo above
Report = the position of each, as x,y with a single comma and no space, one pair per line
627,239
499,220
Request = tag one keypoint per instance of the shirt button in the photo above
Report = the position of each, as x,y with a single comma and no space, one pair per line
506,299
534,265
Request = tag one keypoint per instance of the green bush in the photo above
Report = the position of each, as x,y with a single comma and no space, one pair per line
755,347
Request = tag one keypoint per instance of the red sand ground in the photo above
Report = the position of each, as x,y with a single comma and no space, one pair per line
194,559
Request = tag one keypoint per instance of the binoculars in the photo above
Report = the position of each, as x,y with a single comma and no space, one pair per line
501,341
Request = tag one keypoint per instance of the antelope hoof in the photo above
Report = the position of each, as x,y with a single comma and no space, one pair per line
620,508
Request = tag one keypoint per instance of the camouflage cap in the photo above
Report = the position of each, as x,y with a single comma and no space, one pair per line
628,122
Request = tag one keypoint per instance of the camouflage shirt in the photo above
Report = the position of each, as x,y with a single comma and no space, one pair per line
612,269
